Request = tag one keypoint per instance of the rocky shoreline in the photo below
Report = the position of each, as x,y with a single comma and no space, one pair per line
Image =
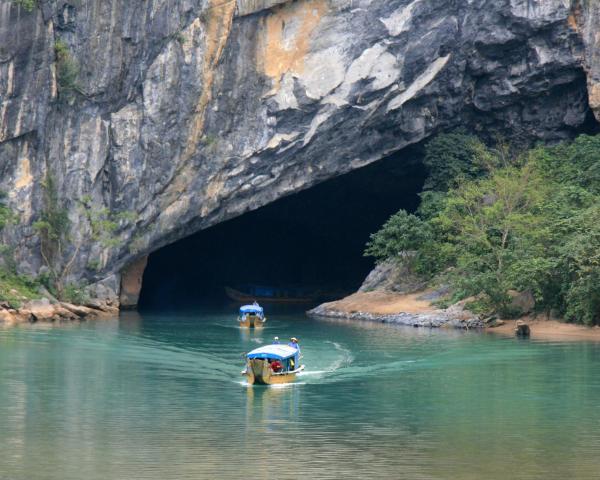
43,310
392,294
449,318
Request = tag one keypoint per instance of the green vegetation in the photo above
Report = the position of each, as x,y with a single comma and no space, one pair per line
16,288
54,228
67,71
57,246
13,287
27,5
401,234
104,223
6,216
492,223
179,37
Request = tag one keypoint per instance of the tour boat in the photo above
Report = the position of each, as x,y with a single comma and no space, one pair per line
252,316
272,364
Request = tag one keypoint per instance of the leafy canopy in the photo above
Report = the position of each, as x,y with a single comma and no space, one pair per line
529,222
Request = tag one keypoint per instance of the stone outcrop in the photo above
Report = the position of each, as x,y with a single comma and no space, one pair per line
393,276
44,311
131,283
448,318
185,114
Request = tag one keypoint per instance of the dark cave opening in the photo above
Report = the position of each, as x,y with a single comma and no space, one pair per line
308,242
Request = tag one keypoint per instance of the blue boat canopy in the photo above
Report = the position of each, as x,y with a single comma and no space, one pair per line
251,309
277,352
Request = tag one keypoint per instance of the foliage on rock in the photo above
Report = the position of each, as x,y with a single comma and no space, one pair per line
402,233
58,246
27,5
14,288
67,71
530,222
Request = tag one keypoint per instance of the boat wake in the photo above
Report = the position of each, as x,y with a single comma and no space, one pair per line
345,359
277,386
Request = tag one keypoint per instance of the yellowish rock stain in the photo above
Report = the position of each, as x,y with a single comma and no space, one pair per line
24,177
216,23
219,17
286,36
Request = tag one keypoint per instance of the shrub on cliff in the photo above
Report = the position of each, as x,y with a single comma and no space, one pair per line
67,71
14,288
528,223
451,157
27,5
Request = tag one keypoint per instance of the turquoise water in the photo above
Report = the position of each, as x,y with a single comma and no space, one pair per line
161,397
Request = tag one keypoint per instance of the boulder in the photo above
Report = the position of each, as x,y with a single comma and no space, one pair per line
522,302
393,276
522,329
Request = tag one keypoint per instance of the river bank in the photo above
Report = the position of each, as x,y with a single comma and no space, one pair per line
415,309
550,330
43,310
410,309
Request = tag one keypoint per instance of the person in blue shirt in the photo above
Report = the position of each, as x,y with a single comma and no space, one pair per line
294,343
276,341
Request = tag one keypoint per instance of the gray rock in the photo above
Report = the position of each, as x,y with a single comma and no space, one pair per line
393,276
443,318
189,113
522,302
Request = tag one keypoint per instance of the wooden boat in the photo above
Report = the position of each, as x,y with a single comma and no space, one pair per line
272,365
252,316
271,295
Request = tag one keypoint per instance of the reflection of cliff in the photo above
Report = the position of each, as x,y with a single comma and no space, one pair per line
191,113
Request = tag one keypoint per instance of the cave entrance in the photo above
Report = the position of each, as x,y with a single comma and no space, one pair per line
307,242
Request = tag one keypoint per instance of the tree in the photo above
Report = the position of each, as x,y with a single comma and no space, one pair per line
402,233
450,157
530,223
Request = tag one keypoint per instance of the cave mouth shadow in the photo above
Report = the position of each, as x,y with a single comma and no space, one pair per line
310,240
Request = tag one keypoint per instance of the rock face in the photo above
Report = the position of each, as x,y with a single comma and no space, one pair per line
44,311
184,114
440,319
392,276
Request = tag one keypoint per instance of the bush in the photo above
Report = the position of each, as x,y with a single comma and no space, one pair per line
27,5
450,157
526,223
67,71
402,233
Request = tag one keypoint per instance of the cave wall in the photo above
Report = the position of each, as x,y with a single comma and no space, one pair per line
188,113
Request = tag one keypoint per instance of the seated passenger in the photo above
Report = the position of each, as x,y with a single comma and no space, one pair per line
276,366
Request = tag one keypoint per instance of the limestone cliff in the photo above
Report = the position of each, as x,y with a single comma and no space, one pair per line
185,113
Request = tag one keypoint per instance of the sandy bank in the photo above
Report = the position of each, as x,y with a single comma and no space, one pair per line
401,309
382,303
415,310
553,330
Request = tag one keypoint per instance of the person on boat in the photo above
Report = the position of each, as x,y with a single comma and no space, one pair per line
294,343
276,341
276,366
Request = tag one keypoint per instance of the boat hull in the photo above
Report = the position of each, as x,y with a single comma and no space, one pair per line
259,372
252,322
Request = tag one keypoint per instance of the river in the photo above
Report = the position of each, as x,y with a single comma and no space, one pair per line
161,397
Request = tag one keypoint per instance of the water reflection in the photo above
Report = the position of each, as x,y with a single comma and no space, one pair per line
155,397
272,405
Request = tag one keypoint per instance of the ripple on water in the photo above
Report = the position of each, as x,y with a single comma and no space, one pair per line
160,398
